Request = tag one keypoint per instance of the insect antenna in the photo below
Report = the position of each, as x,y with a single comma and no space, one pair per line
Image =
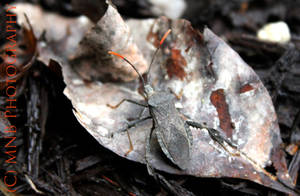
157,49
120,56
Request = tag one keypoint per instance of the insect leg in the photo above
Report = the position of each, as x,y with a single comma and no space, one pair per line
195,124
213,133
141,113
148,149
189,133
131,124
130,144
178,96
128,100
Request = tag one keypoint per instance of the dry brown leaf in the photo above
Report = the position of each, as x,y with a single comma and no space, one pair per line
216,87
61,34
92,62
214,84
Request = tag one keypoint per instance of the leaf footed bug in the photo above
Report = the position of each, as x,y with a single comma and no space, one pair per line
172,130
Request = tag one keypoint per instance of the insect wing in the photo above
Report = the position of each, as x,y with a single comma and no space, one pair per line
175,145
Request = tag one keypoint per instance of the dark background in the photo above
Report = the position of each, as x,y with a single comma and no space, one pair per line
73,163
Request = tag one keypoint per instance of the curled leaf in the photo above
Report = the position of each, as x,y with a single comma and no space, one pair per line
93,62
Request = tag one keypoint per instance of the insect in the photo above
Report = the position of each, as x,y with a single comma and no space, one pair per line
172,130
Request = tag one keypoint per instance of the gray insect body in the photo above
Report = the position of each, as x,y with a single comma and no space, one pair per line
173,135
172,130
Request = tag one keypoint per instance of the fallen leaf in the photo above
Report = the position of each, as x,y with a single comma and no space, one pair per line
218,89
57,40
92,61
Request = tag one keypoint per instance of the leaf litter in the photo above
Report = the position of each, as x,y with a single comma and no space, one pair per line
216,88
213,85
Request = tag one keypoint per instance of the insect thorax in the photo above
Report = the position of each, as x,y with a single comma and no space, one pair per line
160,98
148,90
